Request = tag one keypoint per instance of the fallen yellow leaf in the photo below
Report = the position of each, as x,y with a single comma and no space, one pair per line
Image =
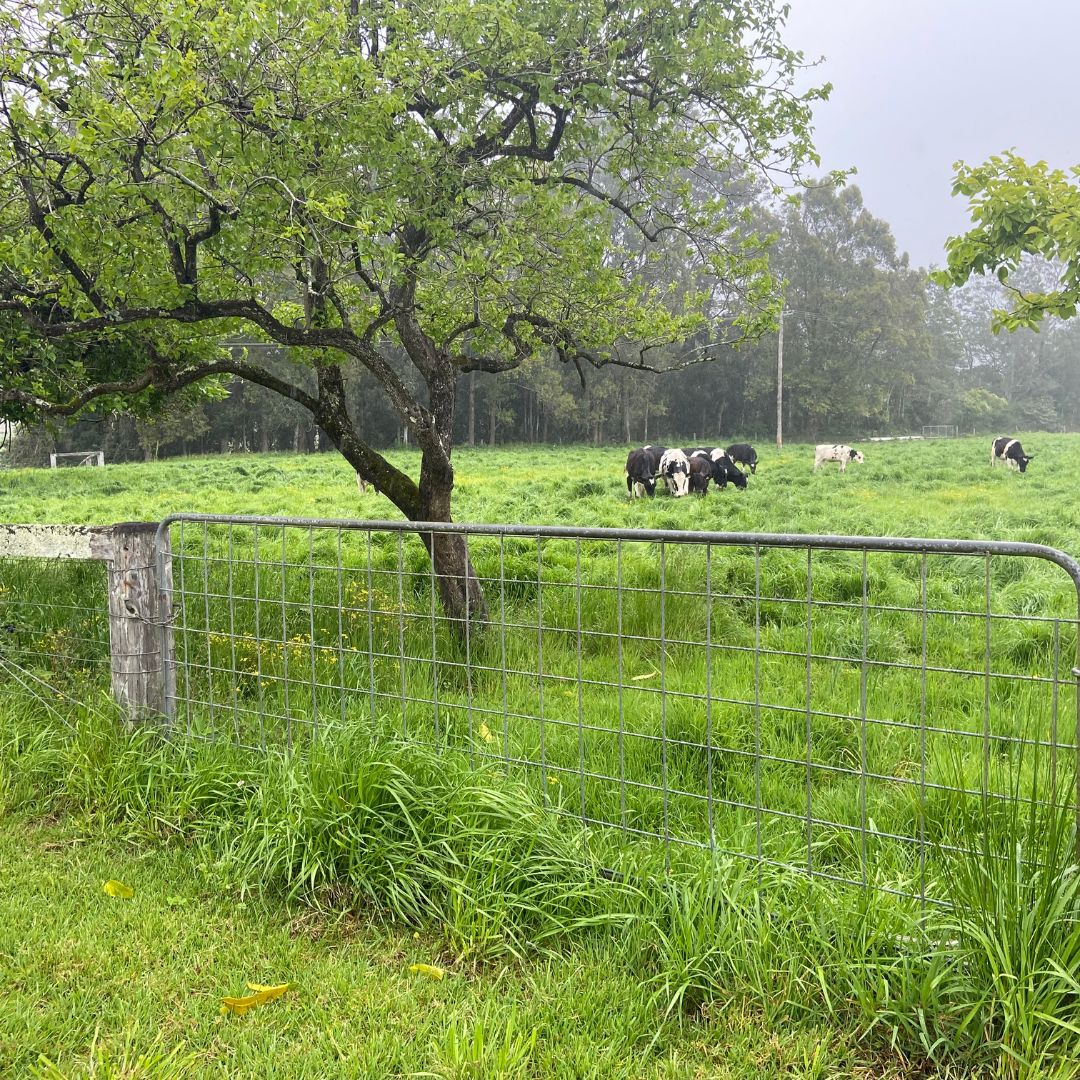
262,994
430,970
485,733
647,675
118,888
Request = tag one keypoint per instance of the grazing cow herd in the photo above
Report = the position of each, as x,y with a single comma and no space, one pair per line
686,471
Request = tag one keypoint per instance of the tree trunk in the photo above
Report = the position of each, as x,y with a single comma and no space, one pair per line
491,429
459,589
626,410
264,439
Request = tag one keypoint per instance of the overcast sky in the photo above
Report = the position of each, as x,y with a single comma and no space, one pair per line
918,84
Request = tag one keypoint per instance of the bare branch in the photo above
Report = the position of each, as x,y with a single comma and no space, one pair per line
613,201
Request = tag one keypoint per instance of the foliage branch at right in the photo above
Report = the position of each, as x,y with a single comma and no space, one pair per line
1019,210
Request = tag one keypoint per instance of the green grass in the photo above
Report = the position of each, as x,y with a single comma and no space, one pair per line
337,871
214,844
146,976
935,488
429,831
264,648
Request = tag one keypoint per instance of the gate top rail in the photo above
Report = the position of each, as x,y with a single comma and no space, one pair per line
900,544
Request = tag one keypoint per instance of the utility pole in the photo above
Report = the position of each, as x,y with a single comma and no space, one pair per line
780,384
472,407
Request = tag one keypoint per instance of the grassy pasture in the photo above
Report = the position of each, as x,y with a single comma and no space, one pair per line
275,641
903,729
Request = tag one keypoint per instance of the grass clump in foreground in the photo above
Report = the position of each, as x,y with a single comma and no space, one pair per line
550,961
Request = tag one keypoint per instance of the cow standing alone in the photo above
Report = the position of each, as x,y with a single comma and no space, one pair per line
836,452
1011,452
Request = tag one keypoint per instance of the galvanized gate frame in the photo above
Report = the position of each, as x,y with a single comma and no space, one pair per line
798,541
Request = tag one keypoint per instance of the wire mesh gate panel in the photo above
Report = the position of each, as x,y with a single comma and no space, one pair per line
832,704
54,628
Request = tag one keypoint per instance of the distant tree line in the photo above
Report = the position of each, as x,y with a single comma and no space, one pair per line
870,347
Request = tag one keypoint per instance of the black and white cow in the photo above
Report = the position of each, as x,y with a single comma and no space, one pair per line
655,454
725,470
641,473
675,469
744,454
835,452
692,452
1011,452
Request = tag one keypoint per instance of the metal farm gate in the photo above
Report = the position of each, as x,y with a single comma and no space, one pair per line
828,703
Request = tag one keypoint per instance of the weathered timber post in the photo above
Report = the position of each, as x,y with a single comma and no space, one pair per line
140,601
140,634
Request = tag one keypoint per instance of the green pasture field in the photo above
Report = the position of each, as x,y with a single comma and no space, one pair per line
275,642
932,488
907,748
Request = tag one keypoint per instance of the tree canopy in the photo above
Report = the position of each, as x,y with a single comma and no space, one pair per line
432,188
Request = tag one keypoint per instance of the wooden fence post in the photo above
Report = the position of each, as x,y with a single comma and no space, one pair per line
140,632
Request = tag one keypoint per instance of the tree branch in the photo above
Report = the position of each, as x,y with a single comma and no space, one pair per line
157,376
613,201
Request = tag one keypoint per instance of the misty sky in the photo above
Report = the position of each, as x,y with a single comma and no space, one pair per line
918,84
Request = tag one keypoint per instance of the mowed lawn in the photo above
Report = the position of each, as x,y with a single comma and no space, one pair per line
144,976
98,984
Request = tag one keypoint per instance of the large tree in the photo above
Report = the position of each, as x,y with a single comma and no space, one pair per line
856,338
426,188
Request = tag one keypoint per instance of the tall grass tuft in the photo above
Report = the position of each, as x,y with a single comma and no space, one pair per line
364,821
123,1063
496,1050
1016,923
991,982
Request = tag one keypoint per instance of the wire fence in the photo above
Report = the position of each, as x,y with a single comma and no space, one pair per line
838,705
54,626
847,707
